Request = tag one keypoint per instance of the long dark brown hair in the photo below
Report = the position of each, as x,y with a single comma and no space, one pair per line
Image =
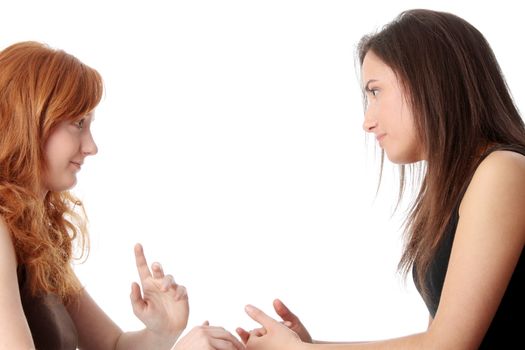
461,106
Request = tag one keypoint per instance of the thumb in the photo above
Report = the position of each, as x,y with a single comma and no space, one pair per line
244,335
260,317
136,298
206,323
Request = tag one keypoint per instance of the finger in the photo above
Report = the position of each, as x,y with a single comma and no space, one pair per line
283,311
260,317
142,264
181,292
258,332
233,344
137,302
167,282
287,324
206,323
238,345
221,333
157,270
221,344
244,335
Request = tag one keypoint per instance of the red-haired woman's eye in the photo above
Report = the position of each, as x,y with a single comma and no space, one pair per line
80,123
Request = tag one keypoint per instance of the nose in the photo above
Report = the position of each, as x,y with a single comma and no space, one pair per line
89,147
369,123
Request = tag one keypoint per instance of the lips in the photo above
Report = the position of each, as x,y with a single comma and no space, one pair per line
380,137
77,165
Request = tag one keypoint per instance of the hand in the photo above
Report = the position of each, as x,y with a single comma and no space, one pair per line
208,338
273,335
291,321
163,306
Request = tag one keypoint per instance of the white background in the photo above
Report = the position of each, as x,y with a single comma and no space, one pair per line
230,145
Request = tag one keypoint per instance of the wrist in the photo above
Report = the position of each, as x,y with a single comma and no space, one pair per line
303,346
161,340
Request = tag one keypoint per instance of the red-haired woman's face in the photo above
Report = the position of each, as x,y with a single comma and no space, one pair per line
388,114
65,150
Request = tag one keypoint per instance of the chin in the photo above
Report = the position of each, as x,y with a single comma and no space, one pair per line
70,186
402,160
65,186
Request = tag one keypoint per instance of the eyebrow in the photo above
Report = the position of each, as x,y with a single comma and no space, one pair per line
367,87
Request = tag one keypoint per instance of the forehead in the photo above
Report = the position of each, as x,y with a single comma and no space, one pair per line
374,68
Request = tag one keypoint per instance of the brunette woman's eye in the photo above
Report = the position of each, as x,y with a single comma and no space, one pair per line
372,91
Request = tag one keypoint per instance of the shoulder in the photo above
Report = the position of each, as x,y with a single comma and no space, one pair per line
487,245
497,187
8,261
505,165
503,159
7,250
14,330
8,265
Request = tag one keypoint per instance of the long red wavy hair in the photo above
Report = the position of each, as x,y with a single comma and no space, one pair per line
39,88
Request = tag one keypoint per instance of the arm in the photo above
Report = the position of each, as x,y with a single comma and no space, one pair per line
162,307
489,240
97,331
290,320
14,330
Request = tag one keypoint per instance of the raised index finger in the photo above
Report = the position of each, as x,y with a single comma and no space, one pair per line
259,316
142,264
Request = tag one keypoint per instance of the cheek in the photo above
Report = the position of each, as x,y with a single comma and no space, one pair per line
412,145
410,127
53,153
59,149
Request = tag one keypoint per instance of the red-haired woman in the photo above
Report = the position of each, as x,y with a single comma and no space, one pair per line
47,102
435,96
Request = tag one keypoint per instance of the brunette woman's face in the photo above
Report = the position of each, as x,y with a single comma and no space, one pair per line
65,150
388,114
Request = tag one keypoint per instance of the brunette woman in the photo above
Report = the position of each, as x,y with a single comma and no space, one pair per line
436,97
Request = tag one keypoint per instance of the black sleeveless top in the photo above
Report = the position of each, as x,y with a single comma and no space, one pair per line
51,326
505,326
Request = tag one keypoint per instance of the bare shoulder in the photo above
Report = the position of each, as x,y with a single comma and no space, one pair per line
510,165
14,330
7,250
488,242
8,263
504,158
498,185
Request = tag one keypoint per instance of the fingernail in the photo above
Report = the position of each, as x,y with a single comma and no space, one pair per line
249,308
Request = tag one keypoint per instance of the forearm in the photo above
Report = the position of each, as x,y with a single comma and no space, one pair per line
415,341
337,342
145,340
